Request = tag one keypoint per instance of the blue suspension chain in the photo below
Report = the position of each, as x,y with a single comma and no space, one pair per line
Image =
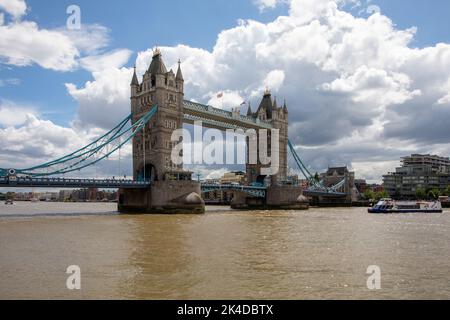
84,154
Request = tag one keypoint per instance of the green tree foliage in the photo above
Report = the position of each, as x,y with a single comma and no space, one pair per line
381,195
434,193
369,195
446,192
421,193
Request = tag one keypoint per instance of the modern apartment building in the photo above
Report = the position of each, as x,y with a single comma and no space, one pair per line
418,172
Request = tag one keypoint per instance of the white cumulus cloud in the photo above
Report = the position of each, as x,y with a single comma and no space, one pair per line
110,60
16,8
24,43
12,114
104,101
266,4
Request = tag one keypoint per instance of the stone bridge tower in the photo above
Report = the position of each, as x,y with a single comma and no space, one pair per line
152,148
171,189
270,112
279,195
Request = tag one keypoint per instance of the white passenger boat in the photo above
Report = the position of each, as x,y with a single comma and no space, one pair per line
387,206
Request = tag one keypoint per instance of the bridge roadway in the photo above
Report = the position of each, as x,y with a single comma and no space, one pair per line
326,194
69,183
257,192
26,182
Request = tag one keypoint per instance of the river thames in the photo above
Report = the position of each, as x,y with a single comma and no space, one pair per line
224,254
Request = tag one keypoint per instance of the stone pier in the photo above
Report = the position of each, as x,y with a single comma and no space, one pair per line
163,197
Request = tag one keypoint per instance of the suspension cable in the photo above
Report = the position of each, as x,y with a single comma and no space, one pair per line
307,174
145,151
94,152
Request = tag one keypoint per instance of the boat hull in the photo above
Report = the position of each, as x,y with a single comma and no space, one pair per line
377,211
389,206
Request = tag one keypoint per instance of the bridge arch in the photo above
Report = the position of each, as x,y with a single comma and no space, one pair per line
148,173
261,179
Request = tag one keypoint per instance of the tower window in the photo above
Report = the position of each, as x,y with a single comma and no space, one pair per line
153,81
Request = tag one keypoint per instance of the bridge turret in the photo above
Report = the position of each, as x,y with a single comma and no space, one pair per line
134,81
285,109
275,109
266,106
179,78
134,88
172,189
157,71
269,111
152,149
249,111
157,66
280,121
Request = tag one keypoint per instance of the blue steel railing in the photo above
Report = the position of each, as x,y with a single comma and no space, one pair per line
258,192
209,110
210,122
24,182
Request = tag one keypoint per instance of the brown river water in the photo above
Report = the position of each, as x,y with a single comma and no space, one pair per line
224,254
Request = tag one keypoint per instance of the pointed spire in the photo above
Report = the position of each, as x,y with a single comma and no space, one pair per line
157,65
285,109
134,81
274,105
156,51
179,76
249,111
266,104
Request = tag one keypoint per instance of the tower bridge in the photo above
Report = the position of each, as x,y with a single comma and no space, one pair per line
158,108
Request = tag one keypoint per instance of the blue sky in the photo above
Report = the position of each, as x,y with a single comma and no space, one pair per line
360,88
168,23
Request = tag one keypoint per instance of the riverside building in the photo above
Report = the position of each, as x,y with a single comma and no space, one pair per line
418,172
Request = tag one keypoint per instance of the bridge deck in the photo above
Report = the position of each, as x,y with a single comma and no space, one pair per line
259,192
20,182
316,193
